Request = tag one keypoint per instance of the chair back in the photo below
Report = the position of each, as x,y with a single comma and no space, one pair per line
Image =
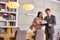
57,34
15,29
21,35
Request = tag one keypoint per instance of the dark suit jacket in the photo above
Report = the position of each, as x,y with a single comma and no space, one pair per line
51,20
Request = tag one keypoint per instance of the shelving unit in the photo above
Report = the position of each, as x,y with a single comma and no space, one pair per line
8,15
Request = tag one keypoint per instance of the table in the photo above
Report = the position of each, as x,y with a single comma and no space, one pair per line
7,36
29,36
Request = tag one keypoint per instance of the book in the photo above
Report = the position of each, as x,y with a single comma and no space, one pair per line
2,23
6,0
11,9
12,24
13,0
1,0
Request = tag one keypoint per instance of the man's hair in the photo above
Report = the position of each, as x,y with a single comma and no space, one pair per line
47,9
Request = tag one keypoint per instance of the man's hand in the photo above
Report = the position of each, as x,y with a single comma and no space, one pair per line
49,25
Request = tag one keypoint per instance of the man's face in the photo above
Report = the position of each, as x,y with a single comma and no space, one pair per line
48,13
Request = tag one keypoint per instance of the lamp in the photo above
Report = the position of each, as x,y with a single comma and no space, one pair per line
12,5
28,6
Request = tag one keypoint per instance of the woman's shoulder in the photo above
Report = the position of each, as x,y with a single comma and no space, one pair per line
35,17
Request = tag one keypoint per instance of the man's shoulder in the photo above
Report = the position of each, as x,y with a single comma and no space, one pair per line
45,16
52,15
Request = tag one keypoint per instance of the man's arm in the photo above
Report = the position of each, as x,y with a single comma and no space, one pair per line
54,22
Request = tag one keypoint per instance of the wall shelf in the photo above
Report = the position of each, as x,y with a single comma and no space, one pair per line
8,16
7,20
2,2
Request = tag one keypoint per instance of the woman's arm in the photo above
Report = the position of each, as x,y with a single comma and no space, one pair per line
34,21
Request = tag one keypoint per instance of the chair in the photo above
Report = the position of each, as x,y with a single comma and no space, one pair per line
40,35
57,34
14,30
1,38
21,35
14,38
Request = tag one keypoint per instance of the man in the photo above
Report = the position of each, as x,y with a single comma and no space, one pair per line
51,22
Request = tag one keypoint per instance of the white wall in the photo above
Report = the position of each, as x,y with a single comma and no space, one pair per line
40,5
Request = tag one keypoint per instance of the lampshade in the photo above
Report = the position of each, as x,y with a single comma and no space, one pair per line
12,5
28,6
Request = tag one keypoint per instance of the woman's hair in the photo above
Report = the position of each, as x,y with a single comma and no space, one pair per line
39,14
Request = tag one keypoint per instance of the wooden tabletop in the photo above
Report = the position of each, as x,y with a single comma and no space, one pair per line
6,36
29,35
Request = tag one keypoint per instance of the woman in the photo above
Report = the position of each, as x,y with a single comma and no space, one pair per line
37,23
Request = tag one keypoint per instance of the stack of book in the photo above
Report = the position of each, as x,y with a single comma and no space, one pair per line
3,0
3,24
13,0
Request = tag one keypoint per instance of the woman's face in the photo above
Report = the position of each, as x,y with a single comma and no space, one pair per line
40,15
